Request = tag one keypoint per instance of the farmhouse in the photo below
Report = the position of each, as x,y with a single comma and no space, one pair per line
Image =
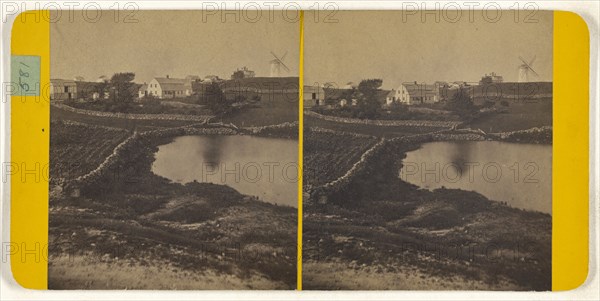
166,87
313,96
413,93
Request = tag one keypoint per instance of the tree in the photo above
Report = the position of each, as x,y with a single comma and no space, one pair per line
368,104
215,99
121,89
238,75
462,104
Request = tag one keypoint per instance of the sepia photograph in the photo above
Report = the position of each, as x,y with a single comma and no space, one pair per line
173,152
428,151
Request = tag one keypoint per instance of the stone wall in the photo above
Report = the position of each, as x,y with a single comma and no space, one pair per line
286,126
197,118
329,131
341,182
107,165
407,123
542,135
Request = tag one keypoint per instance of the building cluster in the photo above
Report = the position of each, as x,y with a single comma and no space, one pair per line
159,87
243,72
492,78
408,93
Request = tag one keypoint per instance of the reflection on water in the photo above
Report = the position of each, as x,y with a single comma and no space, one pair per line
519,174
261,167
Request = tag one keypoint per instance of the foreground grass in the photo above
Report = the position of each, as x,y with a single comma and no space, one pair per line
380,227
133,229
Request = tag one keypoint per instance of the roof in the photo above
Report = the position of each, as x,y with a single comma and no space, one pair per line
313,89
62,82
143,88
421,89
171,84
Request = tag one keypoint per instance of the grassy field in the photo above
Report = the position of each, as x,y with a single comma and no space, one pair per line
520,115
76,149
155,106
379,227
328,156
371,130
273,108
140,125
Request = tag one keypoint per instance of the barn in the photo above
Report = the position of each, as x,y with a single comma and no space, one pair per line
63,89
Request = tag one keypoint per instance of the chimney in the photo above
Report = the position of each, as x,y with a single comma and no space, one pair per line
167,76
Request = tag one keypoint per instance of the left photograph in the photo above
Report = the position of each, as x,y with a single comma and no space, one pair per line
173,151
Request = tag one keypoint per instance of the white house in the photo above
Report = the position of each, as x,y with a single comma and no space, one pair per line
313,96
166,87
413,93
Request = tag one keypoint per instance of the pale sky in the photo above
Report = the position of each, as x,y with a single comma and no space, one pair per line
177,43
380,44
363,44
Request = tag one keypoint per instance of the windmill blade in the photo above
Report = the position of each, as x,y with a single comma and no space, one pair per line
284,66
283,56
523,60
535,73
276,57
532,60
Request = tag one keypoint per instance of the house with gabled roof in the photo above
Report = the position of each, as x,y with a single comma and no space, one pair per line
168,87
413,93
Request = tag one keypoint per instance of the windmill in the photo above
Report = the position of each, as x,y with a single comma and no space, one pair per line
524,70
277,64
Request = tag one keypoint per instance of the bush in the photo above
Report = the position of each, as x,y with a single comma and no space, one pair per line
488,104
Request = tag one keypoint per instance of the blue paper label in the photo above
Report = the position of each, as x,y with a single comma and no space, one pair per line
25,75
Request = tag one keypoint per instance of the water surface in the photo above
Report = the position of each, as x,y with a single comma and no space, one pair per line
256,166
519,174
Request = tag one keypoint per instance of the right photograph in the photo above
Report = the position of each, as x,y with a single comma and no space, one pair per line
428,150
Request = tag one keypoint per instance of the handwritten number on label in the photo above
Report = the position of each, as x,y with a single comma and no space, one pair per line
22,74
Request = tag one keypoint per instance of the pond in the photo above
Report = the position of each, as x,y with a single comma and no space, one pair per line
263,167
518,174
